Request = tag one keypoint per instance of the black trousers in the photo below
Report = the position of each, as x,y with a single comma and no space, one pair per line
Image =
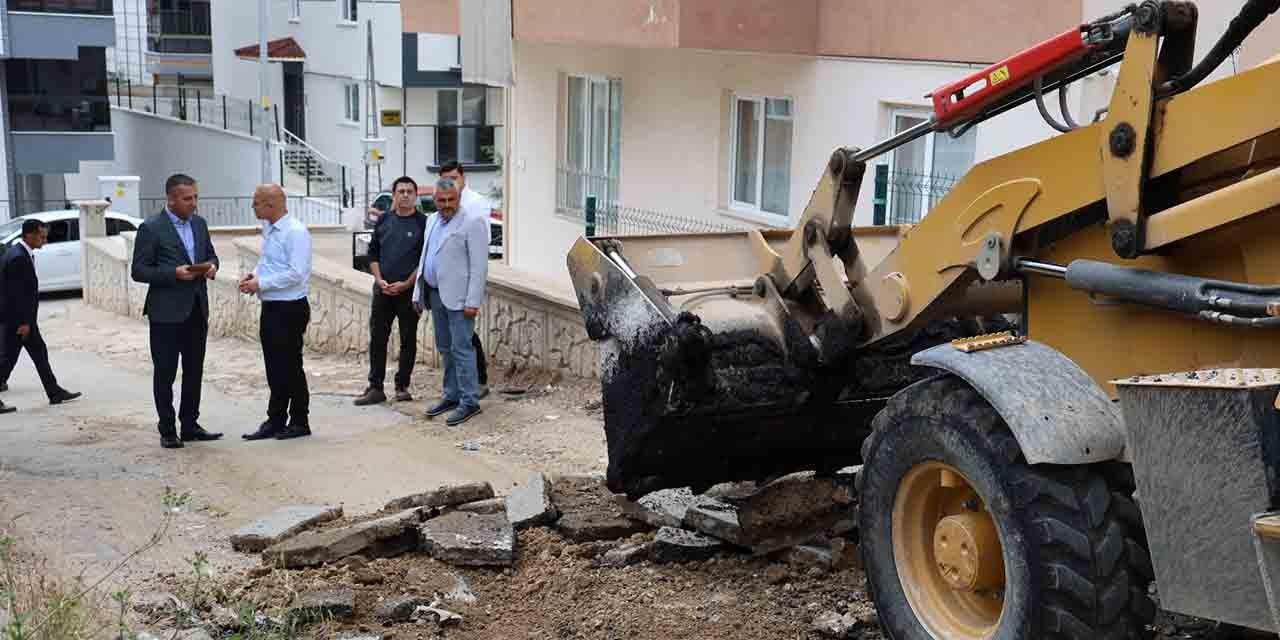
282,327
36,349
384,311
169,342
481,366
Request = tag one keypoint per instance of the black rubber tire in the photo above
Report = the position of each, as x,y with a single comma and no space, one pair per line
1074,548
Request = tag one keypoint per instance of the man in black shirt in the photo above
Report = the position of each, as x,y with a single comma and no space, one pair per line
394,251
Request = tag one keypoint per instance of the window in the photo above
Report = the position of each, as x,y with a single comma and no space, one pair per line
295,9
59,95
93,7
923,171
463,134
349,12
351,102
760,175
116,226
593,142
64,231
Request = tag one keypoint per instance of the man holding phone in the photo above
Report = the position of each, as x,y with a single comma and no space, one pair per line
174,255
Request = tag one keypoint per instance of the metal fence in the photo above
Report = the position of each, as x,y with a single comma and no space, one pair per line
198,105
237,211
591,199
904,197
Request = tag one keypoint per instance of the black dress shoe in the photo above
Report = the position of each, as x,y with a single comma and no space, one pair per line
170,442
4,408
266,430
372,395
445,406
62,395
198,434
294,431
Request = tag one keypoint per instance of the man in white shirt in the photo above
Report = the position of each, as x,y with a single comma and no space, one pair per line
282,281
472,204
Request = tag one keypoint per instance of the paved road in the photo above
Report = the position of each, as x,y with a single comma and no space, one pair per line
86,477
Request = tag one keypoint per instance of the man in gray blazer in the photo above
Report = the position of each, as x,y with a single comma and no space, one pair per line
174,255
451,282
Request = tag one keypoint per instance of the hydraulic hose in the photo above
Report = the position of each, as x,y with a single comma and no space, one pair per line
1252,15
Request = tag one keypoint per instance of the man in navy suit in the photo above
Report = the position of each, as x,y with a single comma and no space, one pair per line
21,305
174,256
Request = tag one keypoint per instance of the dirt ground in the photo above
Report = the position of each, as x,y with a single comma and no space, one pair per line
84,483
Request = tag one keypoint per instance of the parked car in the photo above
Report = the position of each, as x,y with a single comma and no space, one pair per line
58,262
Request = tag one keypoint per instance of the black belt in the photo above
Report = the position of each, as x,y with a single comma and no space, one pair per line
284,303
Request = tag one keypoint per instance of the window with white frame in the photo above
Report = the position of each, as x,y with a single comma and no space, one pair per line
295,9
924,170
760,171
592,150
349,10
351,102
462,133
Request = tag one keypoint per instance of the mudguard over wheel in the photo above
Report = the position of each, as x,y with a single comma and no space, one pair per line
961,539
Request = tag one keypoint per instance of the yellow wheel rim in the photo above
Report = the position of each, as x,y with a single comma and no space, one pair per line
948,553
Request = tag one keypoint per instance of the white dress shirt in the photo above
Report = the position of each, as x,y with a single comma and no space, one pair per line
284,270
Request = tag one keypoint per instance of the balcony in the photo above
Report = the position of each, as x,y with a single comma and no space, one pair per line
56,29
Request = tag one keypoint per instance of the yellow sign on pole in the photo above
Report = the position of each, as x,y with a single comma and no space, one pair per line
391,118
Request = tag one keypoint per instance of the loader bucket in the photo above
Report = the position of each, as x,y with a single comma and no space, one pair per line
701,382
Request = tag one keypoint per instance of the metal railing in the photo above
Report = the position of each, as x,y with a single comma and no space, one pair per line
592,199
237,211
574,185
904,197
303,168
198,105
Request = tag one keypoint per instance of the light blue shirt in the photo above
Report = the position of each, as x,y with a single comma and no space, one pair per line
284,270
438,234
184,233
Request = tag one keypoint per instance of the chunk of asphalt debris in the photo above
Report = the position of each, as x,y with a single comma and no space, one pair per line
626,555
716,519
470,539
795,506
490,506
399,609
672,545
382,538
318,606
588,511
447,496
530,505
665,508
281,524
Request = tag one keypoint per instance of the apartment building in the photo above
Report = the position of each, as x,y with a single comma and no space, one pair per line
179,42
702,114
318,78
56,112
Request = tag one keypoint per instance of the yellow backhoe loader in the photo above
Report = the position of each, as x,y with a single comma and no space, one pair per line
1078,329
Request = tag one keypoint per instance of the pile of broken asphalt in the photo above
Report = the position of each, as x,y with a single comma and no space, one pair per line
557,558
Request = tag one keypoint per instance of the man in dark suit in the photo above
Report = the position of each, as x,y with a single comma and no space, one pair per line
21,305
174,255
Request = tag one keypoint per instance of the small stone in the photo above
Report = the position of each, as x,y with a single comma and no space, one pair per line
809,556
844,555
625,555
834,625
384,537
363,635
461,591
260,571
485,507
316,606
157,603
715,518
367,577
470,539
170,634
665,508
776,574
530,505
447,496
281,524
440,616
353,563
678,545
399,609
226,619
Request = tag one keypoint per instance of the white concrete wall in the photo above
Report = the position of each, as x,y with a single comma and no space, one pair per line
128,58
676,130
152,147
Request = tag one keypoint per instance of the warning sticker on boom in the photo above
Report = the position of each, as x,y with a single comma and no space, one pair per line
999,75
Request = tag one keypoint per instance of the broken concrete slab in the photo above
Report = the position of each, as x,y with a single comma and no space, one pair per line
665,508
588,511
399,609
530,505
381,538
470,539
317,606
626,555
796,501
281,524
487,507
447,496
731,492
672,545
716,519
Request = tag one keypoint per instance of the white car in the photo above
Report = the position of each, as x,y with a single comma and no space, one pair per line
58,262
